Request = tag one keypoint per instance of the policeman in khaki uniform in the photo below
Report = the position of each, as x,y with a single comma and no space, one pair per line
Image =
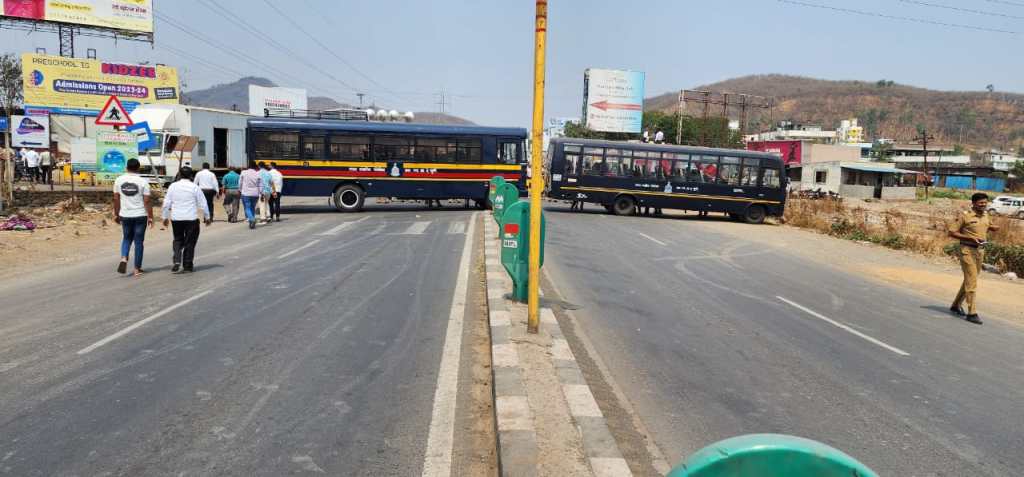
971,229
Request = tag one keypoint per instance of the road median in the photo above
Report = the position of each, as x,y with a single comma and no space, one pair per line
548,422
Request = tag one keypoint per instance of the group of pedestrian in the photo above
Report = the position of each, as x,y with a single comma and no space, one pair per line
188,201
659,136
38,164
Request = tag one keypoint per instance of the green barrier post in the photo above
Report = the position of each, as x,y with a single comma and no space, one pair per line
770,455
506,195
515,247
492,189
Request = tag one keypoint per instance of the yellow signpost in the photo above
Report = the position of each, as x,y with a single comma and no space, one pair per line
536,181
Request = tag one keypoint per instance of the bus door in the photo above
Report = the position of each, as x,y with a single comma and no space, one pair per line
510,152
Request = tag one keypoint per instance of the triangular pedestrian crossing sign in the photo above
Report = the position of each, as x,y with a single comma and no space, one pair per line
113,114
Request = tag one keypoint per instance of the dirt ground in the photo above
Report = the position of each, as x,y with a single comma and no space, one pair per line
937,278
63,237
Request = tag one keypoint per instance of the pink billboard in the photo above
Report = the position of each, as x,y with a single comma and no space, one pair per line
791,151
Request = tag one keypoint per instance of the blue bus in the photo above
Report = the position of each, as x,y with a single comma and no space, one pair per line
623,176
352,160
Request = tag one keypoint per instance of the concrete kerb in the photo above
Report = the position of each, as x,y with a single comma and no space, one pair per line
517,432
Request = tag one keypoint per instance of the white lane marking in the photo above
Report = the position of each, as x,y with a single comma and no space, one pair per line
438,459
342,226
4,367
293,252
416,228
456,228
137,324
844,327
652,239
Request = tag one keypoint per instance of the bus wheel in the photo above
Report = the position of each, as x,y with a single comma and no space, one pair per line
754,215
623,205
349,198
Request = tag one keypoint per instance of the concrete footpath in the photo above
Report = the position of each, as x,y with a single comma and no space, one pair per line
547,418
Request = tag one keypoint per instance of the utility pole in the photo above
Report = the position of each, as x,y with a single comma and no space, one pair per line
441,103
536,181
923,138
360,95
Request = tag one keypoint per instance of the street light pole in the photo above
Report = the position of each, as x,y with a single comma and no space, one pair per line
536,181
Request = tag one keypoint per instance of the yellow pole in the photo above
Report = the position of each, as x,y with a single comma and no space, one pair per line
536,181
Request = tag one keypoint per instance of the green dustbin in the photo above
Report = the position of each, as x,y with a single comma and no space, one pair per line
770,455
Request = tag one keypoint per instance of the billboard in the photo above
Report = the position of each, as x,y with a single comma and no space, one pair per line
791,151
261,98
30,131
81,87
113,149
130,15
613,100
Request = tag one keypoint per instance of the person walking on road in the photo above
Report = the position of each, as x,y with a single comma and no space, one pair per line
133,210
971,229
266,189
231,195
207,182
250,187
32,164
45,166
277,187
182,204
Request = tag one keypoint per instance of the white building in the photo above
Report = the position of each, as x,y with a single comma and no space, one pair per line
1000,161
858,180
787,131
556,128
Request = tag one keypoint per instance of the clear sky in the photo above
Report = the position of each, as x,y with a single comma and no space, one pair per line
402,54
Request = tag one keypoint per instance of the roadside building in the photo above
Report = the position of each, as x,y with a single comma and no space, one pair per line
789,131
1000,160
857,179
907,155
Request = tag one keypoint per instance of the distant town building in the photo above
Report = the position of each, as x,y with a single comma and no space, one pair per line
789,131
849,132
1000,160
907,155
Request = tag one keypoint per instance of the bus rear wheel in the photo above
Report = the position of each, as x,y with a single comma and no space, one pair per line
624,205
755,214
349,198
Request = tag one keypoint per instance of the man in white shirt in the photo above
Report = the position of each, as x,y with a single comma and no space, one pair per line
182,204
32,163
207,182
133,210
46,166
659,137
277,183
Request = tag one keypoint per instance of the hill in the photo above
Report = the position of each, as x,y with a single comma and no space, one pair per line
886,109
235,95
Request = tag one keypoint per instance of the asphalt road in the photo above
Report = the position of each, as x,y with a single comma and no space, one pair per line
711,336
309,346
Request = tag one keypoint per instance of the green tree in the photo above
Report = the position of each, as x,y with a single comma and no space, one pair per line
880,151
1018,170
715,131
10,85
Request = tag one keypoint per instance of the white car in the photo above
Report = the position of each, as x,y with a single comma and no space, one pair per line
1005,205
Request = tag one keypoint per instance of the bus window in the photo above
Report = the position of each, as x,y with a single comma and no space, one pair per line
627,166
702,169
312,147
468,151
270,146
770,177
611,166
508,152
349,148
591,165
729,171
749,176
679,168
639,167
392,148
572,164
575,149
434,150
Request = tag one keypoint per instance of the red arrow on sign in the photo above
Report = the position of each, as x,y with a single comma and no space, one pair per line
605,105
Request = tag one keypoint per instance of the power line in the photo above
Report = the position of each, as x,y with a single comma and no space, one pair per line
235,52
326,48
965,10
1005,2
256,32
895,17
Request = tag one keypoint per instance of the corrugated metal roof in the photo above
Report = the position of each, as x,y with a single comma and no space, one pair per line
871,168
